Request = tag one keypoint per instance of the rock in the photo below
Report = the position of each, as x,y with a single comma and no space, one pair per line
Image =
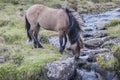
107,38
116,40
60,70
100,34
99,50
2,59
3,50
93,43
87,75
88,56
55,41
85,52
108,44
87,34
40,38
106,61
107,75
100,27
87,28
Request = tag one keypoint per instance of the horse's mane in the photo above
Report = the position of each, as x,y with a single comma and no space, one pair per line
74,28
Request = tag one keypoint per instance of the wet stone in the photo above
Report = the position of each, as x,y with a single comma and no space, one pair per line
87,75
60,70
100,34
93,43
2,60
87,28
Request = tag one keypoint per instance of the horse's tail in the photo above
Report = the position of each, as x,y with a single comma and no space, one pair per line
27,24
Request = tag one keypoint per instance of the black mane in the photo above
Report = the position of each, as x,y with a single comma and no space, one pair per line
74,28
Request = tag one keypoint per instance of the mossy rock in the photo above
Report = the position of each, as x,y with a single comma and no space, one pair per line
116,52
106,63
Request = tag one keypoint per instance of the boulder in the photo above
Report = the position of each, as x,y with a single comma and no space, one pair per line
61,69
108,44
2,59
87,28
100,27
99,50
87,34
93,43
86,75
100,34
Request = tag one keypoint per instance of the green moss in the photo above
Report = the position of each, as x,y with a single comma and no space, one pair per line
112,23
116,52
114,31
106,64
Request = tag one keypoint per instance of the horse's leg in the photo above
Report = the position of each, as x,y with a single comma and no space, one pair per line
37,32
34,33
61,36
65,41
31,32
36,42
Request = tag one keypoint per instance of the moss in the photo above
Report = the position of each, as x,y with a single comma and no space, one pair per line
113,27
112,23
106,64
116,52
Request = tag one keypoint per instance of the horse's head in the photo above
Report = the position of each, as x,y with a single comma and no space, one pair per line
76,48
74,30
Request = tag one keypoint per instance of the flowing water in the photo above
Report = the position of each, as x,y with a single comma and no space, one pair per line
93,20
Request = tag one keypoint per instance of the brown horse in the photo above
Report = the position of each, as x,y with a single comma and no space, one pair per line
60,20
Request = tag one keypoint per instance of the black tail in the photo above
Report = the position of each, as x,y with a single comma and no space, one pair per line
27,24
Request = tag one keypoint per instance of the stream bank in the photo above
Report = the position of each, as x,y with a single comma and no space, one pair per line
96,40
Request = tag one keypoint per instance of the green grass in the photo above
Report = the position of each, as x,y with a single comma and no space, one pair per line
114,31
113,28
112,23
116,52
22,61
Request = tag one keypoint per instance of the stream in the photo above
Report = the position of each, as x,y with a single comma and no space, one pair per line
95,38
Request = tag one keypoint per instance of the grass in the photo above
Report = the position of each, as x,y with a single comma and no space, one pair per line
116,52
114,31
112,23
113,28
22,61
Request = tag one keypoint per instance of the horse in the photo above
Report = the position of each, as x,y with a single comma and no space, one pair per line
60,20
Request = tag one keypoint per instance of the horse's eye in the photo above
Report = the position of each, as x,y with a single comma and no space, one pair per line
69,49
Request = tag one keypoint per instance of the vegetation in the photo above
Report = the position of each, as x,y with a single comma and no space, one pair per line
22,61
112,23
113,28
116,52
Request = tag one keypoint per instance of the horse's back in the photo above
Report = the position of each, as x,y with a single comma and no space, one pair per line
48,18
